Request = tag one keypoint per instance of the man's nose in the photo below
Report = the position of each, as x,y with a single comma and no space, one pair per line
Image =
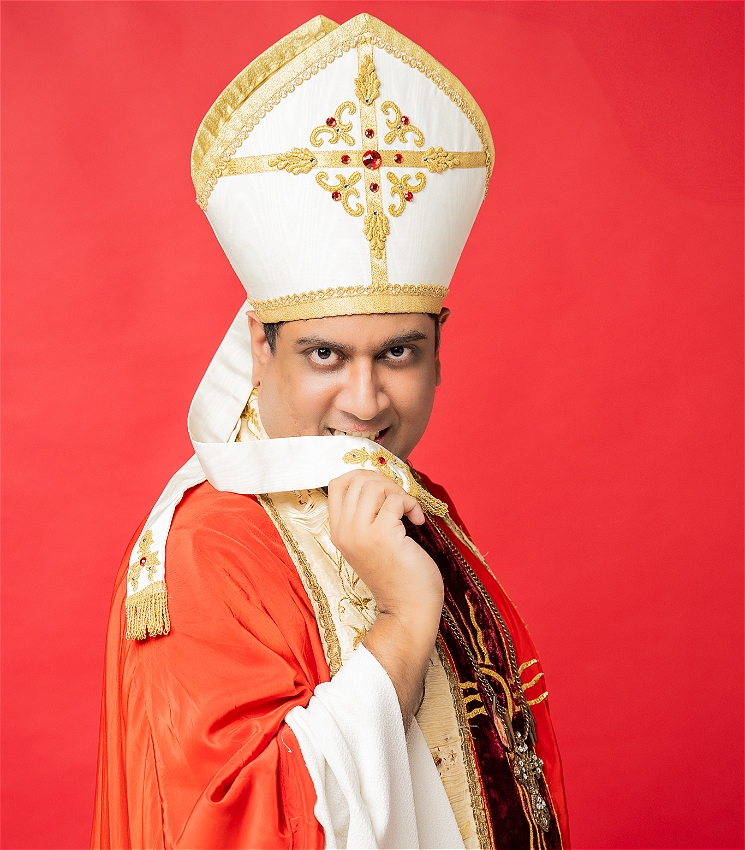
362,396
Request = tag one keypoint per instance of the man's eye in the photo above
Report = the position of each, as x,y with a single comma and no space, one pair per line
397,351
325,356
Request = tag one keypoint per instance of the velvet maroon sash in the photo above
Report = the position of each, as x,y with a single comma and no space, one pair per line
509,820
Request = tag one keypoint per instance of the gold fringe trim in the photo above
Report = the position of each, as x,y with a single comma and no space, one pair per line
147,612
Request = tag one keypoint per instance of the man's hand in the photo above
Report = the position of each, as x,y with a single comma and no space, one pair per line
365,511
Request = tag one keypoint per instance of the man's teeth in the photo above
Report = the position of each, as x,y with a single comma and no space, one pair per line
368,435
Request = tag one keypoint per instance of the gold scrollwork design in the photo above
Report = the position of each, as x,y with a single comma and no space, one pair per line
343,189
399,125
335,127
296,161
376,230
405,190
438,160
367,84
146,559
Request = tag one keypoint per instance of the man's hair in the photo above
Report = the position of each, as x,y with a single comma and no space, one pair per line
271,329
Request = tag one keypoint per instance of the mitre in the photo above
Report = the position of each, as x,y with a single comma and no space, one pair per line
341,172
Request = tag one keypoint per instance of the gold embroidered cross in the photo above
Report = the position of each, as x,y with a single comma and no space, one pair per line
347,189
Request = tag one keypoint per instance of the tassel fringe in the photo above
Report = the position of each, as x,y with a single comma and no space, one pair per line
147,612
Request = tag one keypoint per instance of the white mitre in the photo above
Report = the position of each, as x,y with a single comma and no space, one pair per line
341,171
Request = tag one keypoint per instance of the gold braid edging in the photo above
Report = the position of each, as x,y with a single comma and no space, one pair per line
147,612
318,596
474,784
352,300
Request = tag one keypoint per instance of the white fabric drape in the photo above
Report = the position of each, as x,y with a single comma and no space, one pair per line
375,786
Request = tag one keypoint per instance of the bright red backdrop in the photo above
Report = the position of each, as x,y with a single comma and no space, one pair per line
588,425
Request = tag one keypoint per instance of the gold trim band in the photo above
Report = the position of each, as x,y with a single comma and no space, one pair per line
352,300
262,163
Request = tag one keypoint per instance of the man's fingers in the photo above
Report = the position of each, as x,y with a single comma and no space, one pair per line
360,495
343,495
371,500
398,504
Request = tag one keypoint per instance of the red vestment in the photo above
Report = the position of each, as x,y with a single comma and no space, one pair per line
194,751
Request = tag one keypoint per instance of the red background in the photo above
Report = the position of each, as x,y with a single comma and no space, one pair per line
589,422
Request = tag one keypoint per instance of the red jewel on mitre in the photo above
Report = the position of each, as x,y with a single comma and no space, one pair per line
371,159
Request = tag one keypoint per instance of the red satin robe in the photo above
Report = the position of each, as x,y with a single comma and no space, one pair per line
194,752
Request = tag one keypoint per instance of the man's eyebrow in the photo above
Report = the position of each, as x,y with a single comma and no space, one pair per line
320,342
391,342
402,339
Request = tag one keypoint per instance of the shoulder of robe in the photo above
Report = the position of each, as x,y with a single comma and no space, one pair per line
223,547
228,574
488,577
223,519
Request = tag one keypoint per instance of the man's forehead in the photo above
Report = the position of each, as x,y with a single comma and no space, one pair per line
360,331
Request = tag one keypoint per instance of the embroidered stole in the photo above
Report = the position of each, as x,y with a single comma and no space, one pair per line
491,809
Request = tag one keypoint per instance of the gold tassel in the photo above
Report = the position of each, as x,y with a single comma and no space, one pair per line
147,612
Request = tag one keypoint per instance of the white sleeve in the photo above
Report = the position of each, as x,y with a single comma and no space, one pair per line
375,786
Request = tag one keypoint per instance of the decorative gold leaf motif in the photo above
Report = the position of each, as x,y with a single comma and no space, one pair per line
376,230
343,189
146,559
367,84
395,469
405,190
399,125
296,161
438,160
335,127
359,636
382,460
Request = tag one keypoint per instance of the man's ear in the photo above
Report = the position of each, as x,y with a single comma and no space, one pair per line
260,349
441,319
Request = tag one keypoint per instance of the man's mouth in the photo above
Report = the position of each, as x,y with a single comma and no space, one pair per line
375,436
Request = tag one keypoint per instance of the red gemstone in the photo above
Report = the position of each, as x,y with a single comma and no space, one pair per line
331,122
399,157
369,133
404,119
345,159
409,196
374,187
382,461
371,159
143,561
336,196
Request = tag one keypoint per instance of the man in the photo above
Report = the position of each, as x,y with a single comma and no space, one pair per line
333,663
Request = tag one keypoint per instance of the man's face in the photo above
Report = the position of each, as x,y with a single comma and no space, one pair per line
371,376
